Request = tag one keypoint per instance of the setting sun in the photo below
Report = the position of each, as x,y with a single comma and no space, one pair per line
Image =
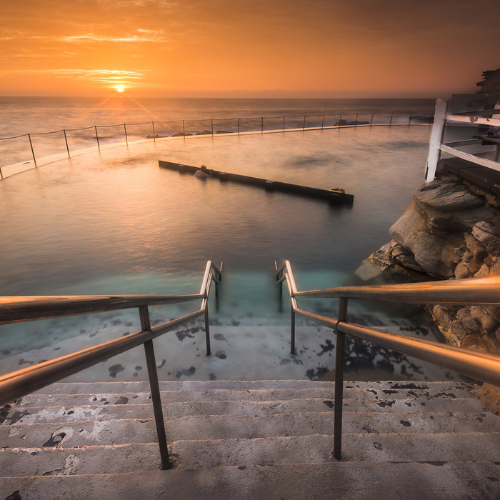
120,88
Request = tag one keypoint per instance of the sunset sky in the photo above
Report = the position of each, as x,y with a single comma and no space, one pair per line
247,48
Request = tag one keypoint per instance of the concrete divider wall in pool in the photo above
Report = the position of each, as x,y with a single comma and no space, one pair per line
334,196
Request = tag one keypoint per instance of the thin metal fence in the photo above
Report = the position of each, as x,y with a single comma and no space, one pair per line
59,144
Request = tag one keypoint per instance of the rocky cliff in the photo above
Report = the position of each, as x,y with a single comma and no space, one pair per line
448,232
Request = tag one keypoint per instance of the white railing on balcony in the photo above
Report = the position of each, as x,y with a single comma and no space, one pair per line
436,146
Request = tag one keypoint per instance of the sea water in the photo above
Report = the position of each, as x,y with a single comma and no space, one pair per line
113,222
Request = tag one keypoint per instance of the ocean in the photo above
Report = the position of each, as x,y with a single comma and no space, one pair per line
112,222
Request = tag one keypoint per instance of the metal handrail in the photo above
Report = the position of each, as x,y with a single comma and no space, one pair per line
17,384
485,367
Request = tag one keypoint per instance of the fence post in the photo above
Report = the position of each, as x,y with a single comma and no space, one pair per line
183,130
284,118
32,152
339,382
212,121
97,137
154,135
356,120
371,121
437,135
390,121
66,139
304,124
238,126
262,126
126,138
323,122
340,119
409,118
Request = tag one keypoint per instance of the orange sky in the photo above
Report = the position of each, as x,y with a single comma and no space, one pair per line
248,48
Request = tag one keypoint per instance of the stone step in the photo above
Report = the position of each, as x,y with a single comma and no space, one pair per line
339,480
317,449
242,395
123,431
135,387
242,407
408,447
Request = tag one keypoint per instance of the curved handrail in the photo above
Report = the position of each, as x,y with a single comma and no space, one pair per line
17,309
17,384
485,367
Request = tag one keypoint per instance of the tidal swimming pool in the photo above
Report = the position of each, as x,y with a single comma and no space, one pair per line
115,223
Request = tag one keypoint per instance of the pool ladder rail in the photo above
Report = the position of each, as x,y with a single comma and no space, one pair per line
475,291
17,384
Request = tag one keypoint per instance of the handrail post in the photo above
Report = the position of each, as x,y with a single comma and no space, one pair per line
66,140
371,121
304,124
356,120
125,128
339,383
207,330
183,130
340,119
238,126
154,136
262,125
390,121
155,389
32,152
292,330
409,118
212,122
284,118
322,122
97,137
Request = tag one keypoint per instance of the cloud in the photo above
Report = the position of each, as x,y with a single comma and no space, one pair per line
96,75
154,36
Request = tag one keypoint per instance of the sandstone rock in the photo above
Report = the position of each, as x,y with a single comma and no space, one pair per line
484,232
467,256
493,311
462,271
495,269
493,247
405,258
458,221
446,197
483,272
436,255
492,345
488,323
489,395
470,324
474,343
488,261
407,226
442,316
458,330
477,249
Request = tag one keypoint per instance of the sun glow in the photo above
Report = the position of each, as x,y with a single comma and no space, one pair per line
120,88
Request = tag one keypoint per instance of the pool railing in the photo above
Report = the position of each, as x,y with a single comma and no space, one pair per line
121,135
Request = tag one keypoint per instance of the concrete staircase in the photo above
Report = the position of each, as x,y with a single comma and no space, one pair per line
251,440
